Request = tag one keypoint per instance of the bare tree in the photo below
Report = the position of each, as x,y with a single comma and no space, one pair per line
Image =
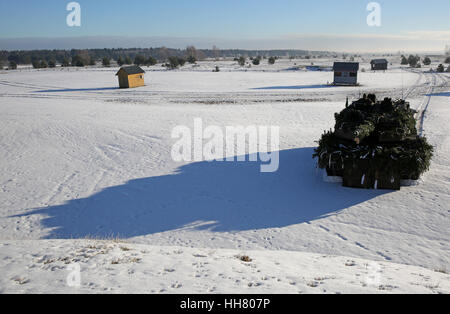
191,51
164,53
216,52
200,55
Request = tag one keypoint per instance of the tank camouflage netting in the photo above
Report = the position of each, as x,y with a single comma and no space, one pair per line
375,145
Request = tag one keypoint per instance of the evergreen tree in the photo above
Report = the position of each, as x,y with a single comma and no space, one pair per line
427,61
404,60
151,61
413,60
52,64
440,68
181,62
36,64
139,60
106,62
173,63
191,59
120,61
128,60
77,61
65,62
12,65
43,64
272,60
447,60
241,61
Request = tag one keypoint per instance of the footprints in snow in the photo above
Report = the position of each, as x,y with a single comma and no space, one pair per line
358,244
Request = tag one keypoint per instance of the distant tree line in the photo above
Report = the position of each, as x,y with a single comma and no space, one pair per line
143,56
414,62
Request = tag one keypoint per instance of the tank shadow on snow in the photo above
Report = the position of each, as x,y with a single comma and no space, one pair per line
443,94
219,196
76,90
294,87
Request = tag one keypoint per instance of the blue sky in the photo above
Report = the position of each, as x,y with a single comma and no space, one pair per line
227,21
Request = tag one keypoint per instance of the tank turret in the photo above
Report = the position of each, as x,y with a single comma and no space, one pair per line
375,145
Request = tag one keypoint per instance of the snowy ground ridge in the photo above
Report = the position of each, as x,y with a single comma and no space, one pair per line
121,267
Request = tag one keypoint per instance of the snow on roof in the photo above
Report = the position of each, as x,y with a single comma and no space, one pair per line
130,70
346,66
377,61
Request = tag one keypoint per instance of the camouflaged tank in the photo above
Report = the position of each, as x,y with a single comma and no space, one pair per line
375,145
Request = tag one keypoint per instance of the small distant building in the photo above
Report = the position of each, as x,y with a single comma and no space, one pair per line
379,64
346,73
131,76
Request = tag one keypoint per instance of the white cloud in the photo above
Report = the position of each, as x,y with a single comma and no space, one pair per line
431,35
414,41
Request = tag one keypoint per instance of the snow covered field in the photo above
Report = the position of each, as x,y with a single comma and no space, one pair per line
82,159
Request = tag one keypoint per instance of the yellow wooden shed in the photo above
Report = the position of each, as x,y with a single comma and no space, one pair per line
131,76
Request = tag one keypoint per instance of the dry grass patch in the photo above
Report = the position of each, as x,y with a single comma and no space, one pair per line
244,258
441,270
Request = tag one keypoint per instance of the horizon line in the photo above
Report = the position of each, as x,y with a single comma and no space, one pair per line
337,43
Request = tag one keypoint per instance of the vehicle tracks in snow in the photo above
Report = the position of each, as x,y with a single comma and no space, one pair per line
415,85
436,81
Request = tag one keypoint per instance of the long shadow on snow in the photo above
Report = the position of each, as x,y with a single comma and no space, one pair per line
220,196
294,87
76,90
444,94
